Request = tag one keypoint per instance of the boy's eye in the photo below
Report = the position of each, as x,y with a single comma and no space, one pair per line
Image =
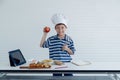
62,27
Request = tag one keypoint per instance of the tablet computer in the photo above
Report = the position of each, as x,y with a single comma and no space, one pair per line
16,58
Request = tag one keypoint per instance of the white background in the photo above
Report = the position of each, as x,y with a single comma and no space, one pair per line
94,25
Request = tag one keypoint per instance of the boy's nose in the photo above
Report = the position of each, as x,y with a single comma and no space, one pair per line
60,29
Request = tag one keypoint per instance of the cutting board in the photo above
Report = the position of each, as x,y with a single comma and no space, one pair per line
27,67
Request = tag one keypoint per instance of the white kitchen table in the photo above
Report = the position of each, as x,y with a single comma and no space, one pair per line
110,68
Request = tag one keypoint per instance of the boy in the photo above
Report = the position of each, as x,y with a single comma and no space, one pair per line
60,46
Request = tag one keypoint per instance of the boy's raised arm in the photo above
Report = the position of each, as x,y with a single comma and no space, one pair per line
45,32
43,39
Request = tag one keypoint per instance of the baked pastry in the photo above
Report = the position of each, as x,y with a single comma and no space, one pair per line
39,65
58,62
47,60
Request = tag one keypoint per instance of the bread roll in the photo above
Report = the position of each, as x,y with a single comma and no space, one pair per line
58,62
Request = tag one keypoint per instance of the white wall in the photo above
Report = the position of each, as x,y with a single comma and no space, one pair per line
94,26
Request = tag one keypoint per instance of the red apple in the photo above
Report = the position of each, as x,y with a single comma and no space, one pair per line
46,29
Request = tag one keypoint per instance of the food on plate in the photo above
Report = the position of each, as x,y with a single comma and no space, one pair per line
58,62
47,60
47,29
39,65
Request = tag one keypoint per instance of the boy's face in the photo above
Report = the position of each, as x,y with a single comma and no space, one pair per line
60,29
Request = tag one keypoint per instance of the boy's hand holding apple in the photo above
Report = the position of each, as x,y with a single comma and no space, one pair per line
46,29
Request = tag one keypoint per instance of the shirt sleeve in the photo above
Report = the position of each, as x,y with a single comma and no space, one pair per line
46,44
71,46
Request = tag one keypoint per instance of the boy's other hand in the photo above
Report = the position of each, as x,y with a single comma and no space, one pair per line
65,47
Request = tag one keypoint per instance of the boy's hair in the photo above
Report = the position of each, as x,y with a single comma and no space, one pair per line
60,24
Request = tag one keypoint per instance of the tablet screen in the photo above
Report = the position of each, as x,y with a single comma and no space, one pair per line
16,57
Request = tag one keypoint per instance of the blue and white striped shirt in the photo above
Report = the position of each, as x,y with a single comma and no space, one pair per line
55,45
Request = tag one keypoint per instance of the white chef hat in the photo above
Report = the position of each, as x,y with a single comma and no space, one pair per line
59,18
